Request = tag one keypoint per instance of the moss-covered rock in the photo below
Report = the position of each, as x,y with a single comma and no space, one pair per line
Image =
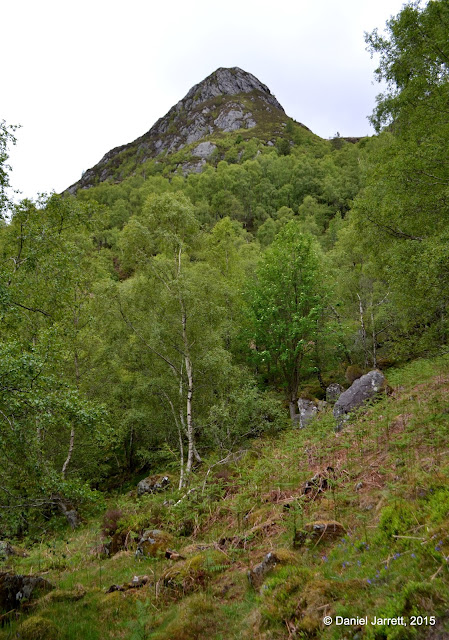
38,628
153,543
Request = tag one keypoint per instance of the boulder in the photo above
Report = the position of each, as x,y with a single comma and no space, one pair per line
153,543
153,484
38,628
333,392
361,390
307,412
15,589
6,550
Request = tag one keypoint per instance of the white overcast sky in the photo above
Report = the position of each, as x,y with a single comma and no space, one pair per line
84,77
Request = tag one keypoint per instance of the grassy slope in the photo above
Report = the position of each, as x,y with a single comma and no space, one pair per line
389,488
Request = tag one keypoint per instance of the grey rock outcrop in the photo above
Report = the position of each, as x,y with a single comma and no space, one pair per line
365,388
204,149
226,82
6,550
307,412
217,104
15,589
257,574
233,119
153,484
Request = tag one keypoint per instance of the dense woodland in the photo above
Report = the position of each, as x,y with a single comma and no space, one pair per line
153,319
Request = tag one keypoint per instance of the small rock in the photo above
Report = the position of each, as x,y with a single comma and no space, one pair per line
136,583
318,483
326,529
173,555
318,531
257,574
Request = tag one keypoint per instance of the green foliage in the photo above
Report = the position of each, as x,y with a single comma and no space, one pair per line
396,520
6,138
285,304
403,207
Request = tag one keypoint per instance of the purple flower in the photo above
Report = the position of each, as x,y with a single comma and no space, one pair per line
369,581
413,555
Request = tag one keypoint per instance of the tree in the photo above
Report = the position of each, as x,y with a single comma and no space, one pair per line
45,290
170,306
285,304
403,208
6,138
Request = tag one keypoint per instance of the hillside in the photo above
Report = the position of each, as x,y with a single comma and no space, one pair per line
169,324
383,480
228,101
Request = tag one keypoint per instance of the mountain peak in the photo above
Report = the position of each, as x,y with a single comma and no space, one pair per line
228,100
228,82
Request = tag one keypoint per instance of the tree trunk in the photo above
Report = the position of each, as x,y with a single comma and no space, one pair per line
363,331
189,372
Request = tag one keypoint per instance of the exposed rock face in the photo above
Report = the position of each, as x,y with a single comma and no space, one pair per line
204,149
15,589
220,103
361,390
226,82
234,119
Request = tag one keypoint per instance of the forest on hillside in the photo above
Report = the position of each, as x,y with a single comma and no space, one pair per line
148,321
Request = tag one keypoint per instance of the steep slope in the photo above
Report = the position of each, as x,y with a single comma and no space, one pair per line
227,101
383,479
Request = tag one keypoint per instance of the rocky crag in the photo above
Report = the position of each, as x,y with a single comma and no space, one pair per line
227,101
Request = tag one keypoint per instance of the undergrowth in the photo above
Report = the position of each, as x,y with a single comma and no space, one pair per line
386,485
